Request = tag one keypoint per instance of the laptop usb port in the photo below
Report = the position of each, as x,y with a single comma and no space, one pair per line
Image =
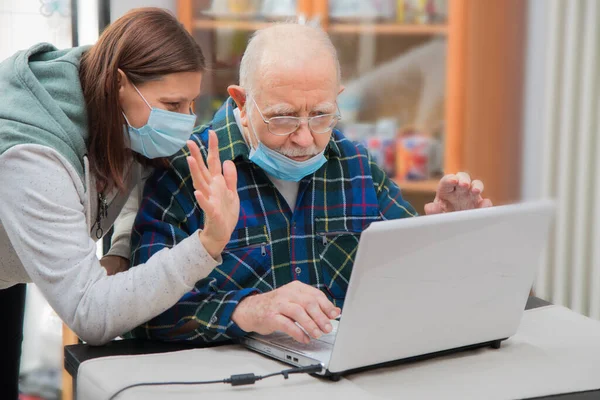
295,359
289,357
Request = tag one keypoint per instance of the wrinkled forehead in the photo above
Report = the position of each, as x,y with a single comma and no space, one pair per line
275,70
287,86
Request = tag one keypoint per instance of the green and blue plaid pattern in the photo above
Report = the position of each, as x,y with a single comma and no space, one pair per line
271,245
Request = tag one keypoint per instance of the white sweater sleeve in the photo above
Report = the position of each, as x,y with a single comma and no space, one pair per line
43,214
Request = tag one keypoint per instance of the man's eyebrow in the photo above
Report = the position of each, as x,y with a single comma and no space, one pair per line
284,108
281,108
326,107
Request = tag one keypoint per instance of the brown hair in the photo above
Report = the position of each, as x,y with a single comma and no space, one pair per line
146,44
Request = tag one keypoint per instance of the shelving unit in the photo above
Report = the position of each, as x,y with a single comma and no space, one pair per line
242,25
388,29
484,70
426,186
350,28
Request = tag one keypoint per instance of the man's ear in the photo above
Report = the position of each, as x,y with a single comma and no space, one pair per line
238,94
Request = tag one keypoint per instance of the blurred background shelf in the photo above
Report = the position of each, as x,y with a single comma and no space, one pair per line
451,70
348,28
428,186
388,28
242,25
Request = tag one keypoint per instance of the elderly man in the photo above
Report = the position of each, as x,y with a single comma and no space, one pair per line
289,202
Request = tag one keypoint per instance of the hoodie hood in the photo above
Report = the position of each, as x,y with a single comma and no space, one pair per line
41,102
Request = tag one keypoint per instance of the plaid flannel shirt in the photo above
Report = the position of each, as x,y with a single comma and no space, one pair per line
271,245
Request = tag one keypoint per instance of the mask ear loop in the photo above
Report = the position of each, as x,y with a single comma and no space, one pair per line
142,96
125,116
252,124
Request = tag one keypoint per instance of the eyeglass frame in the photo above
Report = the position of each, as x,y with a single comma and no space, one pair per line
336,118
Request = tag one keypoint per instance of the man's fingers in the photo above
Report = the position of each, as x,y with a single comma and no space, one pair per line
484,203
214,162
286,325
464,181
327,307
316,314
307,294
448,184
297,313
477,187
433,208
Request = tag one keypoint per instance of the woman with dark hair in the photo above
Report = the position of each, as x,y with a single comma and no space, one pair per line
77,128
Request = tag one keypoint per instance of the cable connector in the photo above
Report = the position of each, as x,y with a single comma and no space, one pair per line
242,379
250,379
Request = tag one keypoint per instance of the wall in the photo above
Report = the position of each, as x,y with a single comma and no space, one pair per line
535,92
120,7
22,25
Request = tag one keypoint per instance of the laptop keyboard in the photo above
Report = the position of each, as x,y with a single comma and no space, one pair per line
329,338
314,346
323,344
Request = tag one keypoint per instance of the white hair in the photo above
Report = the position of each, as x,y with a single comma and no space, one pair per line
284,42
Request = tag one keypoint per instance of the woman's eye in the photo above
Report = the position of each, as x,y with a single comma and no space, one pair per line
172,106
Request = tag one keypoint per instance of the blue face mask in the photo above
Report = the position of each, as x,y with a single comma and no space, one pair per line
280,166
164,134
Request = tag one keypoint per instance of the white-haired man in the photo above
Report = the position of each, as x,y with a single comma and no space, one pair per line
291,199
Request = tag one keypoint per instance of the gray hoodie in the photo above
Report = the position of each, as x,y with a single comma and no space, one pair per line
48,204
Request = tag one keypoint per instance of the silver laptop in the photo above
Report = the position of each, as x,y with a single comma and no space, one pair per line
426,286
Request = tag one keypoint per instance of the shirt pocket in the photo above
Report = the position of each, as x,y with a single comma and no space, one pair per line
337,243
247,260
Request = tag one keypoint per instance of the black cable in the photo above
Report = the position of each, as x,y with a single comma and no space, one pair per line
163,384
311,369
234,380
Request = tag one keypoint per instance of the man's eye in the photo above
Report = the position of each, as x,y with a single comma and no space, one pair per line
173,105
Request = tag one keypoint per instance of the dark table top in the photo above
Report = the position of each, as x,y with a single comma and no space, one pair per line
78,353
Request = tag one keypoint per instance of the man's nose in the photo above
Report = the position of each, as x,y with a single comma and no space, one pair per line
303,136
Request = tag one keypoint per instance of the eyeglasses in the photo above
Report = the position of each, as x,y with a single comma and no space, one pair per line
283,126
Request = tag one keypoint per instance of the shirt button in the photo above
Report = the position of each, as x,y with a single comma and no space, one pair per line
298,270
213,320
